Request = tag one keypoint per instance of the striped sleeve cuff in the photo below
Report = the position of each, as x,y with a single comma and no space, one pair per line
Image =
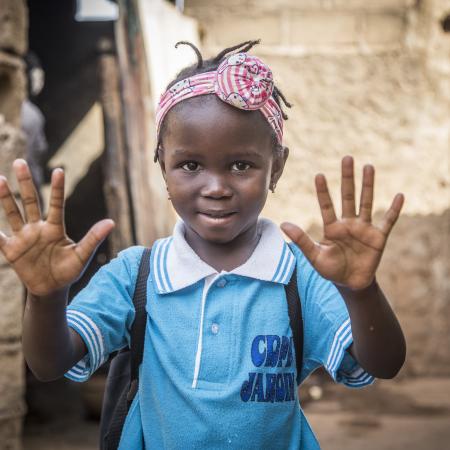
93,339
355,377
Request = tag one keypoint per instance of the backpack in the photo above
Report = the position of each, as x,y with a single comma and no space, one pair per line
123,376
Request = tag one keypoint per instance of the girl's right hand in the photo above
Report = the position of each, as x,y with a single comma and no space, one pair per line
40,252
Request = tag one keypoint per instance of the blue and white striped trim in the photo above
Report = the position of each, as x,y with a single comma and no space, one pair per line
361,380
79,372
342,340
93,339
158,265
285,266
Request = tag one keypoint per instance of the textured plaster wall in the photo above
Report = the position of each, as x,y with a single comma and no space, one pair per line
13,43
368,79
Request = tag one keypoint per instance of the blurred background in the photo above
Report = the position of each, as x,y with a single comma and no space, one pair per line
79,81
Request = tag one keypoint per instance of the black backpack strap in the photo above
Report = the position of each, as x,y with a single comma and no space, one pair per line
295,319
140,319
132,357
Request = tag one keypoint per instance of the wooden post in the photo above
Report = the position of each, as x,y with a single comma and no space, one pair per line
115,164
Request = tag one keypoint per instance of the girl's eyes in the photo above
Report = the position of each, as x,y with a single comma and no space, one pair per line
238,166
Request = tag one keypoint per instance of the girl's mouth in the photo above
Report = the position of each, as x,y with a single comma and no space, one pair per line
217,216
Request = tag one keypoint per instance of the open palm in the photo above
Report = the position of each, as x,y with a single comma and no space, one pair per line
351,248
39,251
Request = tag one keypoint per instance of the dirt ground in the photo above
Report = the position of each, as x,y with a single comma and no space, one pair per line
394,415
413,415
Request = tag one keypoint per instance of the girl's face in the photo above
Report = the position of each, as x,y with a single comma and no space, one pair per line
218,163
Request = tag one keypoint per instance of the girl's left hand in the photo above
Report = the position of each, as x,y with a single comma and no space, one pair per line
351,247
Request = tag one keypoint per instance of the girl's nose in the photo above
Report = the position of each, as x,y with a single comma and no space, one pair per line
215,186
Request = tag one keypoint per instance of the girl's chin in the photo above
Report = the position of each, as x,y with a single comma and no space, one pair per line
216,237
217,230
216,233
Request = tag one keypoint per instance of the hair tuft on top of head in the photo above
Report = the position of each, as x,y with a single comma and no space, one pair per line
243,47
196,50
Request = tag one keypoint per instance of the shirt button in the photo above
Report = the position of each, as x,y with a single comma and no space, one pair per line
214,328
222,282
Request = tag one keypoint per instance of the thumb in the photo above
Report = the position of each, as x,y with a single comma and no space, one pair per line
299,237
93,238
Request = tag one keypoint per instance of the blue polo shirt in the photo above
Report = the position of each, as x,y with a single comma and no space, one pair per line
219,368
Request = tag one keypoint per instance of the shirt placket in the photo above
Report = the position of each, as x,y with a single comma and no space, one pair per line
209,282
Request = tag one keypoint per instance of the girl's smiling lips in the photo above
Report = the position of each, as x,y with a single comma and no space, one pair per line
215,217
217,214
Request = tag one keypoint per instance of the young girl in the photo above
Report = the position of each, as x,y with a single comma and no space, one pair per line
218,359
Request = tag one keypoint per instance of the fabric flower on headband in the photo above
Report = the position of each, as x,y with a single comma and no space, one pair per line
241,80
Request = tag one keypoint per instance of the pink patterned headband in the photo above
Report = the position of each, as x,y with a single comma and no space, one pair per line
242,80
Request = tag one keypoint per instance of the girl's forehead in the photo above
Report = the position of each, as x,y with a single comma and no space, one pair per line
207,118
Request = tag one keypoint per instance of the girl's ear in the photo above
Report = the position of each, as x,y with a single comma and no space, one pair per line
278,165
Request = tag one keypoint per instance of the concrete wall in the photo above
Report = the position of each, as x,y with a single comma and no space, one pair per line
368,79
13,43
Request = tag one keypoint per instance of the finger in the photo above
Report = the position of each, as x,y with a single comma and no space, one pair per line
348,188
93,238
392,214
10,207
55,214
366,202
27,191
325,202
299,237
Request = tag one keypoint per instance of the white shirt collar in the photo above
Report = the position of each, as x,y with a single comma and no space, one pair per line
175,265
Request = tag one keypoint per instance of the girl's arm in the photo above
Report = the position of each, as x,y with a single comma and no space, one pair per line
378,342
47,261
349,255
50,347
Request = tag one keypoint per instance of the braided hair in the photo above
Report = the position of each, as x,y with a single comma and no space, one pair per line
211,65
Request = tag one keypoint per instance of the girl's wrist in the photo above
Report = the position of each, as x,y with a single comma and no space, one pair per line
56,296
370,288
